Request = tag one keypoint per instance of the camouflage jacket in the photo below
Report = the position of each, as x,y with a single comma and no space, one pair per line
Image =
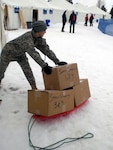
26,43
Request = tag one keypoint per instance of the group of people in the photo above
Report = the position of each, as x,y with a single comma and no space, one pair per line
72,21
16,49
90,19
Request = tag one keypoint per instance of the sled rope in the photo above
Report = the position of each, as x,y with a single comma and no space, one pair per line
54,145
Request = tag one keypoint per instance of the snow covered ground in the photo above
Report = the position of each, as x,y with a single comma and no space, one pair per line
93,52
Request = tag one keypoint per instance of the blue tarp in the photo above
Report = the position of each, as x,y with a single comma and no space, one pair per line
106,26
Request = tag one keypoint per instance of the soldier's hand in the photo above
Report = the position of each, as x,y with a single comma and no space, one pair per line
47,69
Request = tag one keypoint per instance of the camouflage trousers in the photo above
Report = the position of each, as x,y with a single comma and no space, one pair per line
24,64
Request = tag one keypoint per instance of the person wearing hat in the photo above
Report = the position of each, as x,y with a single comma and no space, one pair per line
16,50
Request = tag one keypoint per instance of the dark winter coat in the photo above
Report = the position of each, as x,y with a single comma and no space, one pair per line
64,19
72,18
86,18
91,18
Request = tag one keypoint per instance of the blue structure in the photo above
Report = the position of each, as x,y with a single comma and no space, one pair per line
106,26
47,22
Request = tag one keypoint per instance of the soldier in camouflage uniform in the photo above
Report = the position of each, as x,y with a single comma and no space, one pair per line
16,50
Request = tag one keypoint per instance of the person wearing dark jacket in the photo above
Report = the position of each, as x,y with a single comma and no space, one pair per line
16,50
64,20
91,19
72,21
86,20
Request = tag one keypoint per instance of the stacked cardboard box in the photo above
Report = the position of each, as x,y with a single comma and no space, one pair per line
62,77
81,92
63,91
50,102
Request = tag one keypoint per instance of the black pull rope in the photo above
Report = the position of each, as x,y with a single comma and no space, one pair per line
57,144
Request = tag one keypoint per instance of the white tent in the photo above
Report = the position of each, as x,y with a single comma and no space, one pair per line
12,7
2,32
96,10
81,10
61,4
81,14
58,7
16,20
26,3
98,13
53,9
81,7
64,5
86,2
42,10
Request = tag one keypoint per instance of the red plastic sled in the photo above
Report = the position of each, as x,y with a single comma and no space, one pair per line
58,115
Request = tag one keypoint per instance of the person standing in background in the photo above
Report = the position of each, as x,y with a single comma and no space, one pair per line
64,20
86,20
91,20
72,21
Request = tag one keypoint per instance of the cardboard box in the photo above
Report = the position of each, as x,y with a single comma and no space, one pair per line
48,103
62,77
81,92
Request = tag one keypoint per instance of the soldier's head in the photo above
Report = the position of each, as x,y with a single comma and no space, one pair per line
39,28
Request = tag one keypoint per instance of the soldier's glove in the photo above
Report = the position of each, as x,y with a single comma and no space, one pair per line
47,69
62,63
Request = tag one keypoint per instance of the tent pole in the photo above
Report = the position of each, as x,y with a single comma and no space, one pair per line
23,25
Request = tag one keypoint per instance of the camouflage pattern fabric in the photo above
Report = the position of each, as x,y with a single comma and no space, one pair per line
16,50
